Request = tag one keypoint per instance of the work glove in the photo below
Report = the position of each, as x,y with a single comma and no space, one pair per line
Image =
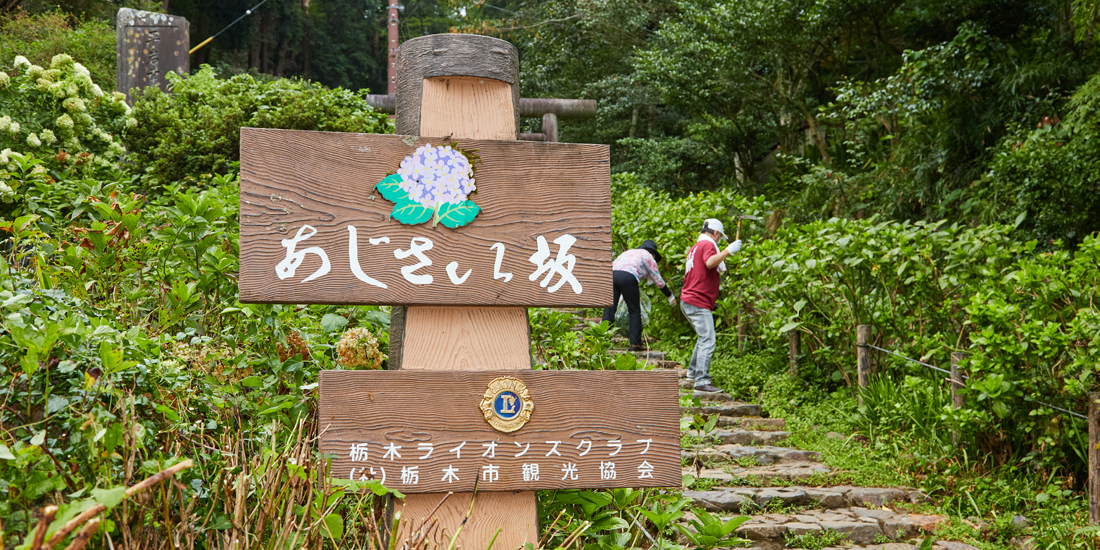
672,300
734,247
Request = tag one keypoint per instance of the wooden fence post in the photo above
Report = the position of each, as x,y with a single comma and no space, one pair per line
1094,460
958,400
742,327
863,357
796,350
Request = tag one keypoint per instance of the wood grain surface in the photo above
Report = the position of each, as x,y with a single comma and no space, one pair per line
459,338
290,179
453,104
462,55
397,414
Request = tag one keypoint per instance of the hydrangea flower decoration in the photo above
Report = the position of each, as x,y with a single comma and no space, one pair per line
432,182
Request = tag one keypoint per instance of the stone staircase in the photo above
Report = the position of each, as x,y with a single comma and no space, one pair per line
787,492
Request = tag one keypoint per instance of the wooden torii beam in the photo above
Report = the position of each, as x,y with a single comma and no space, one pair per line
529,107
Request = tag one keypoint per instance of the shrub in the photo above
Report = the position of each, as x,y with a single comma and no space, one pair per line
61,116
197,128
42,36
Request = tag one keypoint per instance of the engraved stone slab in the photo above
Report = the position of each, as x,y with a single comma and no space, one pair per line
149,46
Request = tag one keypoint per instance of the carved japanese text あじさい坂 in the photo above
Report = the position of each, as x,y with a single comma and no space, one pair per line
315,228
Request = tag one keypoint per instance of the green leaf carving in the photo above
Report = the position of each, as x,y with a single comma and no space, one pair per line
408,212
458,215
390,187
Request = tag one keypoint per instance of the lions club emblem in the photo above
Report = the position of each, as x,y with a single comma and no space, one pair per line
507,404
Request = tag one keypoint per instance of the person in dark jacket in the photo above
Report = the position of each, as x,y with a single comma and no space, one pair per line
628,271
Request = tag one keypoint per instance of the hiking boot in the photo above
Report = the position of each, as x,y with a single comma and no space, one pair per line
709,388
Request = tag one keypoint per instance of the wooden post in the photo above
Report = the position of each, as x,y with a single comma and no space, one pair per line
796,350
958,400
742,328
1094,459
863,357
550,127
464,86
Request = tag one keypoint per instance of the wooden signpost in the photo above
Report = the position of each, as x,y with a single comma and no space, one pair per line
442,224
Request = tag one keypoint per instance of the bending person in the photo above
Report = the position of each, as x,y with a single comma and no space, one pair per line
628,270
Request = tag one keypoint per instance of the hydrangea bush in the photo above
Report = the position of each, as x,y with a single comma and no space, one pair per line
58,114
432,182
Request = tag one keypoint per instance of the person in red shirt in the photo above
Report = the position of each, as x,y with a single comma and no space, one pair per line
699,294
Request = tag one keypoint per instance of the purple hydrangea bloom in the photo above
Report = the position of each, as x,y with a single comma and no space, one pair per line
437,175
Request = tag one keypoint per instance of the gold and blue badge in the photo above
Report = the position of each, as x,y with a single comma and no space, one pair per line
507,404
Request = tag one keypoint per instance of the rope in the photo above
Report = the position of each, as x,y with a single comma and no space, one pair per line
965,377
208,40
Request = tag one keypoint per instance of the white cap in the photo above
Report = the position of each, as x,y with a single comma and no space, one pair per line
714,225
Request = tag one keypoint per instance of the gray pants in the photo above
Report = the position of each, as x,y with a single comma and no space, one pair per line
703,322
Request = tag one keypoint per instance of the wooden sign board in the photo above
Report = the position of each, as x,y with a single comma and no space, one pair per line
425,432
316,226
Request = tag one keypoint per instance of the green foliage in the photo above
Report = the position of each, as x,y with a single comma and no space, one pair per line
62,117
708,531
196,129
556,345
815,541
40,37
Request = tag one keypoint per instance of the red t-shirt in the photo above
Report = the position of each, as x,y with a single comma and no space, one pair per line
700,283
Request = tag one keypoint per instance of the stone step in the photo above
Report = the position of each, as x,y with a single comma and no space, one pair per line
712,397
747,499
733,408
762,454
861,525
747,423
785,471
744,437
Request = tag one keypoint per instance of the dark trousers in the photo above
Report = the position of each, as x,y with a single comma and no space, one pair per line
627,287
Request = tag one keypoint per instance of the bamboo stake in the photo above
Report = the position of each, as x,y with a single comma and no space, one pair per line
100,508
44,520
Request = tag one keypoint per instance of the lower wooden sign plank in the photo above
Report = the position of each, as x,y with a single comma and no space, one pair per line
424,431
316,229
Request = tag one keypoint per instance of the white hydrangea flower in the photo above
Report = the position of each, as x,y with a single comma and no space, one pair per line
74,104
5,156
5,123
72,144
7,194
5,80
81,69
14,128
83,119
45,85
47,136
33,141
39,170
116,149
64,121
97,91
131,122
34,71
61,60
20,61
53,75
119,96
